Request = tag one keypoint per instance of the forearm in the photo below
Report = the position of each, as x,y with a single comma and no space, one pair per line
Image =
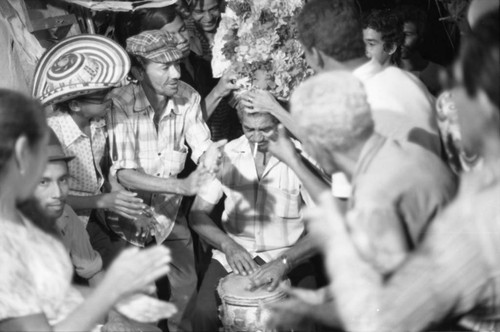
92,311
286,119
204,226
313,184
86,202
301,251
134,180
210,103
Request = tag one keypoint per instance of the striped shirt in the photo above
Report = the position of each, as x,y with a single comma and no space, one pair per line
136,144
86,174
263,216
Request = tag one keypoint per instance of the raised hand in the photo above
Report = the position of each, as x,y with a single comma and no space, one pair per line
123,202
226,84
212,157
264,101
192,184
239,259
269,274
134,270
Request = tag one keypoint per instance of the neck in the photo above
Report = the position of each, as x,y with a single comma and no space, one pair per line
158,102
8,204
353,64
82,122
347,161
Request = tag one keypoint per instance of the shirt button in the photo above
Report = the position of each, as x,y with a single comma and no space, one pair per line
157,174
159,153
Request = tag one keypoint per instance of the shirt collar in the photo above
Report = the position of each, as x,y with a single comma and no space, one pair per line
141,102
73,132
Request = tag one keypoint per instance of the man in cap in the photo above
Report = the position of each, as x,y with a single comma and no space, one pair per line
149,128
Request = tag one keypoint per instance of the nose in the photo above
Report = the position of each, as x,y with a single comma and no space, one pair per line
258,137
56,191
175,72
180,38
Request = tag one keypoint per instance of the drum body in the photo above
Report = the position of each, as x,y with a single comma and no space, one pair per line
242,310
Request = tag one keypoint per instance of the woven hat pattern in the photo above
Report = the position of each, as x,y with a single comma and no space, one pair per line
155,45
79,65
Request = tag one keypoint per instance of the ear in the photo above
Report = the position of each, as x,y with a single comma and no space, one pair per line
138,73
392,49
315,58
489,109
21,149
74,106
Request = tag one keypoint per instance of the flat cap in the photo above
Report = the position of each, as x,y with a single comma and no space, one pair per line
155,45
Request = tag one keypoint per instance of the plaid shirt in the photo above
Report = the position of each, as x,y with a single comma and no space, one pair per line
136,144
85,170
263,216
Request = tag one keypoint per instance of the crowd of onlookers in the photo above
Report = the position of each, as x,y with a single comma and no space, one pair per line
132,173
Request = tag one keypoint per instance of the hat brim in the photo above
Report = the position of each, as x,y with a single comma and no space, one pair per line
61,158
110,53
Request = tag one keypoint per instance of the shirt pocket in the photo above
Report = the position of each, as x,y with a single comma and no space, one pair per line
287,203
174,161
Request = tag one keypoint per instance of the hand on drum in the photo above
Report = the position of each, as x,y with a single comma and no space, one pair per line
239,259
269,275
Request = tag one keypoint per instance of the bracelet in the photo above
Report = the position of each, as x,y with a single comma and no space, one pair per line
284,260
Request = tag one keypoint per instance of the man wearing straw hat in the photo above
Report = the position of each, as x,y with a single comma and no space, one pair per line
151,125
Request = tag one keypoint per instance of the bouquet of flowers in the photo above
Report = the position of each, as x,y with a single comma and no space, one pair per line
257,40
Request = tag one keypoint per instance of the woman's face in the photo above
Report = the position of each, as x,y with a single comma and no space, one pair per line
178,28
206,13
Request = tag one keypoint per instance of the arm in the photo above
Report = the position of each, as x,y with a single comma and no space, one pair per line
223,88
197,132
238,258
122,202
283,149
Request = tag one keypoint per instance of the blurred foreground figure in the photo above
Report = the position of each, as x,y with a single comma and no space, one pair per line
454,273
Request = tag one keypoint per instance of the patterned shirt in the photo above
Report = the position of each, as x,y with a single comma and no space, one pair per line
86,174
262,215
136,144
35,274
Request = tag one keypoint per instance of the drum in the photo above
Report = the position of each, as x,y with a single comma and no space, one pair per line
241,309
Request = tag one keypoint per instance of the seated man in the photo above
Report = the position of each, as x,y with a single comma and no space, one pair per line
262,222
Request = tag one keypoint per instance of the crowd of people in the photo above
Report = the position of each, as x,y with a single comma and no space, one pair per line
132,171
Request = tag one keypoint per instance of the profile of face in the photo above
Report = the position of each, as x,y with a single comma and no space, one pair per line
162,78
374,46
411,41
206,14
95,105
258,129
178,28
52,190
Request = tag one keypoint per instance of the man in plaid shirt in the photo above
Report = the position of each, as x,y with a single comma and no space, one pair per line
149,127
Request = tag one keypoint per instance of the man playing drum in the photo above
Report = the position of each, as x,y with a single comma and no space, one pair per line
263,234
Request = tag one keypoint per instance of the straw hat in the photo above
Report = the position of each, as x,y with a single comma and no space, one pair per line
79,65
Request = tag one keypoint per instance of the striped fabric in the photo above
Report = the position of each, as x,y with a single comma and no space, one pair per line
85,170
137,145
264,216
155,45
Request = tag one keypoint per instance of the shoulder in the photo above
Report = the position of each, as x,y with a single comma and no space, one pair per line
186,94
124,97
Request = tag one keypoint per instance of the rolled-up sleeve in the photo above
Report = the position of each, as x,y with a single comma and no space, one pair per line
121,139
197,132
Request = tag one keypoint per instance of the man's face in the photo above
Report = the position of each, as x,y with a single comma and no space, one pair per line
95,105
52,190
374,46
163,78
258,129
178,29
411,40
207,14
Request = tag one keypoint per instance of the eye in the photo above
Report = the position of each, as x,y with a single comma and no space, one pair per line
43,182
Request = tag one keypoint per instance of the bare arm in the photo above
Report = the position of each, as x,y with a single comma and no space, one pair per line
238,258
223,88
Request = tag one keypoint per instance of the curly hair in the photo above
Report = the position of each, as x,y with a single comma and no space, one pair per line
332,27
415,15
388,23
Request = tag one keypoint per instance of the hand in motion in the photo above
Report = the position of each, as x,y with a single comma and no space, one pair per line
134,270
123,202
264,101
281,146
295,311
269,274
226,84
239,259
192,184
211,159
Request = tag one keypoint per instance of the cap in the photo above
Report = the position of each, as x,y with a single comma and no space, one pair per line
155,45
55,150
79,65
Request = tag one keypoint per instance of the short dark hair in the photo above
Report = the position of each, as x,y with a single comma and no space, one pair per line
480,58
131,24
413,14
19,115
332,27
388,23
